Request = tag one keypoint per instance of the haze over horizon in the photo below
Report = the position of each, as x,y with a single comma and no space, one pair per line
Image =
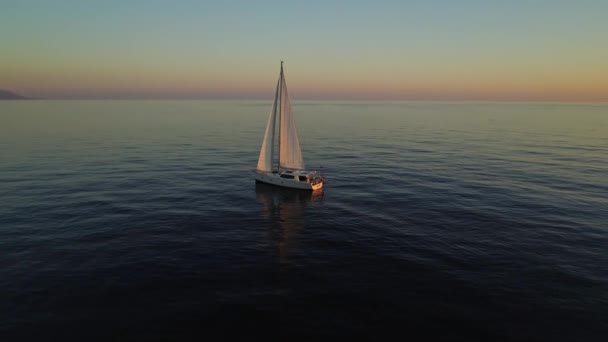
399,50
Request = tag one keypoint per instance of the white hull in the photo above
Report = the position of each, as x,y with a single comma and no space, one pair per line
295,183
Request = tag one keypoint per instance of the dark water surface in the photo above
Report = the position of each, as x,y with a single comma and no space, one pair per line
126,220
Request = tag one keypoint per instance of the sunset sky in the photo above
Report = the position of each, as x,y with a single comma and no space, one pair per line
429,50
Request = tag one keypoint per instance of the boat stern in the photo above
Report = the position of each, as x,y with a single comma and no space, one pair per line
317,186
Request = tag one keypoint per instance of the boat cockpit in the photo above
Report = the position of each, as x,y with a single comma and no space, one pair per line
312,177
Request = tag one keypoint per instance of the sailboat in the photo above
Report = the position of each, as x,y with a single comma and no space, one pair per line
288,169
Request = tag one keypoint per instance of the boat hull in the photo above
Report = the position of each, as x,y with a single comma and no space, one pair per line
275,179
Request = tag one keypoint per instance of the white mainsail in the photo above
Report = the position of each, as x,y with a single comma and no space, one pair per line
290,154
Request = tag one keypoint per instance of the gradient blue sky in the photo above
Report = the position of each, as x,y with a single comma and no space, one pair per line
470,50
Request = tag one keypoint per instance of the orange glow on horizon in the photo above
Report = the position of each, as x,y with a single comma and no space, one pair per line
305,84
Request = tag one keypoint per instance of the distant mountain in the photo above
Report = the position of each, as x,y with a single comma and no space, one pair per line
8,95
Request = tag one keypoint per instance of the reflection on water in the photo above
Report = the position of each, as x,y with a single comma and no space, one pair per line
284,209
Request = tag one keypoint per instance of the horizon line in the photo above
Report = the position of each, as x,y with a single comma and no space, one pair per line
447,100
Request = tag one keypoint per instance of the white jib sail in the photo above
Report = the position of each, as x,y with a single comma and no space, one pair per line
265,159
290,152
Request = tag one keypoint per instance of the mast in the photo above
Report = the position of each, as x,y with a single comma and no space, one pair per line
274,119
280,114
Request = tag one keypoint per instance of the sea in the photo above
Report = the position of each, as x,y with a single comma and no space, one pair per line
455,221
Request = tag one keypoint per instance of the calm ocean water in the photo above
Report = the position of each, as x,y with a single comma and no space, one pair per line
140,220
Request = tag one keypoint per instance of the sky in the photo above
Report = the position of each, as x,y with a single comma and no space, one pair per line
372,50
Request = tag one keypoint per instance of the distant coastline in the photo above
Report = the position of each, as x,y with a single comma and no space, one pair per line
9,95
